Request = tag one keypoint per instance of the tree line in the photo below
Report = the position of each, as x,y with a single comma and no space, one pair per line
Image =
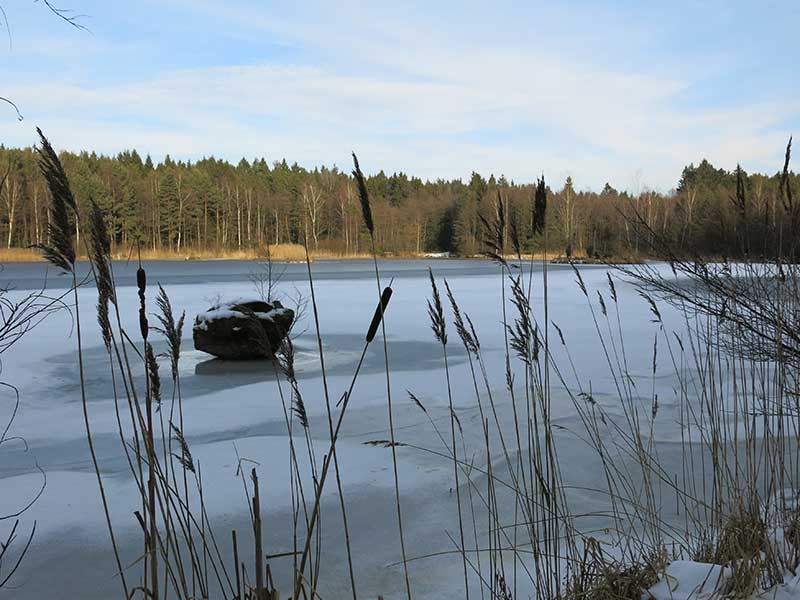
211,204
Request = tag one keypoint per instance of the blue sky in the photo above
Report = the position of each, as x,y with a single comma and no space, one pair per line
626,92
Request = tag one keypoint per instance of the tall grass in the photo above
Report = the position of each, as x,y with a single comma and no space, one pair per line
522,529
733,354
181,555
278,252
19,255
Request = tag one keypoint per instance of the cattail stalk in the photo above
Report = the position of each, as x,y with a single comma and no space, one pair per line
367,214
330,427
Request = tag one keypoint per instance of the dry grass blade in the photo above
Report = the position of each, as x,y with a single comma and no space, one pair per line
470,343
740,199
384,443
786,188
436,312
612,287
286,362
14,106
539,206
513,232
600,577
495,233
522,331
153,376
602,303
579,280
101,250
363,196
185,457
59,251
104,321
559,332
172,330
653,306
101,247
473,333
299,409
417,401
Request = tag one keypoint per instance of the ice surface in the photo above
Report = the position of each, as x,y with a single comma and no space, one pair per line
234,409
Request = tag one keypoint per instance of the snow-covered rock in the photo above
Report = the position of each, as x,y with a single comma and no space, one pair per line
242,329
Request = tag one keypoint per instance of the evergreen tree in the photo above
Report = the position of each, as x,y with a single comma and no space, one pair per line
168,208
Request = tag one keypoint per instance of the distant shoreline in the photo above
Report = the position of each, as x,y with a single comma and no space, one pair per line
297,255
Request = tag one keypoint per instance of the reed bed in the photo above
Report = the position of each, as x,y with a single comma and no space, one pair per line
520,530
277,252
19,255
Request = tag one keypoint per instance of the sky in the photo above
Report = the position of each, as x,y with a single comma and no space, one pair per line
624,92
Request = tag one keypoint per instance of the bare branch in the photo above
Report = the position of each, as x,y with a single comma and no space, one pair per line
66,15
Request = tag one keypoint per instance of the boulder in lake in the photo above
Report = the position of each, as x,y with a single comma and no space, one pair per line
242,329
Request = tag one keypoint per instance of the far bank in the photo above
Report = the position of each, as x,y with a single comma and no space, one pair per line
297,253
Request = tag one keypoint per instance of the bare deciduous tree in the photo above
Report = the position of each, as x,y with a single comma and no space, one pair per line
312,201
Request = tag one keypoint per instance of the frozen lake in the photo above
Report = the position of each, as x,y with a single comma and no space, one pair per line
233,408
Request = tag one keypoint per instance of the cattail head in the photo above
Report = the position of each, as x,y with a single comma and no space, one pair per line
655,353
141,284
363,196
141,280
377,317
143,323
59,250
436,312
